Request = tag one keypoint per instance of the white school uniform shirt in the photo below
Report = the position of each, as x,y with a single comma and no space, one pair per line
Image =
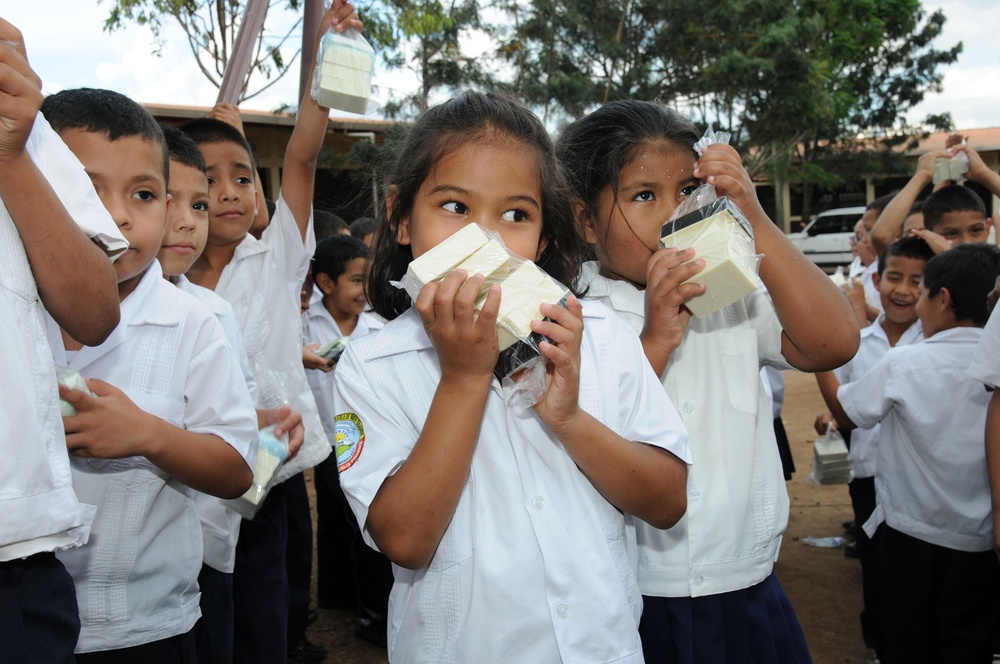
536,565
263,284
985,366
320,328
137,578
872,296
931,480
874,345
41,511
220,526
737,502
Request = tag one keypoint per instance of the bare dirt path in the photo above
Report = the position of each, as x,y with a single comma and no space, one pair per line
824,586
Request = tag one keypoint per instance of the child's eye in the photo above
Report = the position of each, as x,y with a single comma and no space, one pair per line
211,182
644,196
514,215
244,180
144,195
200,207
688,190
455,207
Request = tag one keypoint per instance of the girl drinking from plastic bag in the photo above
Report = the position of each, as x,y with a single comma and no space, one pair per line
508,526
708,588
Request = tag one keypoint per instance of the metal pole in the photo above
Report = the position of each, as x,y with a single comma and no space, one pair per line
239,63
312,13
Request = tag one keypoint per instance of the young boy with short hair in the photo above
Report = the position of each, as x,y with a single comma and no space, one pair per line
170,412
898,282
262,280
47,210
938,575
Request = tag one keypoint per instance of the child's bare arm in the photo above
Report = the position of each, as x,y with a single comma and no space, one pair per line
413,507
820,331
299,168
110,426
828,385
979,171
75,280
640,479
890,222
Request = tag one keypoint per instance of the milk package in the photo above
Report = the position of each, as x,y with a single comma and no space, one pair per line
525,287
952,169
831,460
723,238
271,453
343,75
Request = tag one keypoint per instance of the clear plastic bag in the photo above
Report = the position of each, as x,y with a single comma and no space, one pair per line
72,380
343,75
271,453
953,169
722,237
831,460
525,287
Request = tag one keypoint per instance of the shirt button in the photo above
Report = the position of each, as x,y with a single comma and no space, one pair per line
694,492
538,502
698,580
562,610
688,406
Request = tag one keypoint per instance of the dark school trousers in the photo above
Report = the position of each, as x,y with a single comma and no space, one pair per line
39,619
862,490
298,556
178,649
213,633
938,604
260,585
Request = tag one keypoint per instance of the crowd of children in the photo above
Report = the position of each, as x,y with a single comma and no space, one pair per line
633,513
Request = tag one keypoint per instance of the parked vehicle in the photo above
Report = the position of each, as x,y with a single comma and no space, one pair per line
826,241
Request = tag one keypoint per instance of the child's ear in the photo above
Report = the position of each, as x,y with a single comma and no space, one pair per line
944,301
325,283
256,203
876,279
166,217
583,221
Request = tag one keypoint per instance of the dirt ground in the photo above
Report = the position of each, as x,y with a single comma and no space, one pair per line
823,585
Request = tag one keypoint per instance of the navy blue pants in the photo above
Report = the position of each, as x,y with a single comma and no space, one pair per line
938,604
39,619
214,630
298,556
178,649
862,490
755,625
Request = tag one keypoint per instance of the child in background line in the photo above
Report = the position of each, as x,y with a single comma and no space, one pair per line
862,292
339,275
262,280
489,510
898,281
708,585
953,215
938,576
171,413
893,218
328,224
363,228
48,207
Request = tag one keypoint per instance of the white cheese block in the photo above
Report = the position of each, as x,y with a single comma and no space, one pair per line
443,258
344,76
730,268
522,294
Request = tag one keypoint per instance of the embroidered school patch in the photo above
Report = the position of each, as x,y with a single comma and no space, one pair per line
348,439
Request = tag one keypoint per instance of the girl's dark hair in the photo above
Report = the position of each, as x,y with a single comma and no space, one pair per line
596,148
471,116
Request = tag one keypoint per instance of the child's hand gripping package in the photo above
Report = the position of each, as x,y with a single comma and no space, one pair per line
72,380
271,453
524,288
343,75
721,236
832,461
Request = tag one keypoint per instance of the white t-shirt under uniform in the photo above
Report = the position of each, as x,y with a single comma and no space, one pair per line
536,565
737,502
137,578
931,481
41,512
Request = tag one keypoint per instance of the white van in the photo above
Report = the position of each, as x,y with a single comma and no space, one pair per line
826,241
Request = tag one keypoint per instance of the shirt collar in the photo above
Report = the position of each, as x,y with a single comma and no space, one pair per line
623,295
957,335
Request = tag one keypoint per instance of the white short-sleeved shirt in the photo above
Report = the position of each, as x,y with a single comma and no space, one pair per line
985,364
41,511
535,566
137,578
931,480
322,329
262,283
220,526
874,345
737,502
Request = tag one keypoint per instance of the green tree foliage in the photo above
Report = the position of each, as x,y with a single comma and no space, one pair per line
211,27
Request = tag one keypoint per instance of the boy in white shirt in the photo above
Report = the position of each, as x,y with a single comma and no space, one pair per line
985,367
898,282
338,269
938,575
170,412
45,260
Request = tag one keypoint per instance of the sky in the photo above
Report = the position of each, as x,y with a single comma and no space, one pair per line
68,48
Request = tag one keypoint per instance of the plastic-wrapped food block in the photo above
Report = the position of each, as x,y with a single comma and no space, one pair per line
521,296
343,74
443,258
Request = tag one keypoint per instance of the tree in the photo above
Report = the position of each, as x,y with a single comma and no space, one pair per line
211,27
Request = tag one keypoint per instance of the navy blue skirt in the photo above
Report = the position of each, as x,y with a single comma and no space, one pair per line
756,625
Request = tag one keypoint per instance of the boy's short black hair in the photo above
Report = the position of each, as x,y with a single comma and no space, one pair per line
334,253
210,130
104,112
968,271
953,198
880,203
182,148
362,226
907,247
327,224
